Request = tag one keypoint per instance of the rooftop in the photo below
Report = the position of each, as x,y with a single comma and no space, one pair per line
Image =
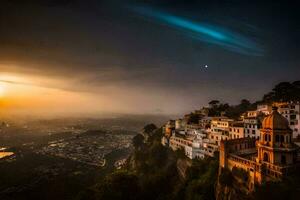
275,121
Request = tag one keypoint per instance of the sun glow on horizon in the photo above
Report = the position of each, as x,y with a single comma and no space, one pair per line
29,94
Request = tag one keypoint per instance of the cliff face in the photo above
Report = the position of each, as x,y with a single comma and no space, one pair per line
224,192
230,193
182,166
229,187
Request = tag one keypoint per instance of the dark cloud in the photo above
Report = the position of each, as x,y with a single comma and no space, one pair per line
94,44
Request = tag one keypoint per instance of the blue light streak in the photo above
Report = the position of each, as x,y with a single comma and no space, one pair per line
229,40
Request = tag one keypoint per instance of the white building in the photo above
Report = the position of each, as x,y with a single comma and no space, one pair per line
191,144
252,126
236,130
209,148
219,129
205,122
264,108
291,111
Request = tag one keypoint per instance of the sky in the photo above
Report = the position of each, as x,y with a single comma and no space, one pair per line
143,57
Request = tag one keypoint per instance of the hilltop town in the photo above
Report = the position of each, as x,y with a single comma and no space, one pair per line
200,134
260,145
223,152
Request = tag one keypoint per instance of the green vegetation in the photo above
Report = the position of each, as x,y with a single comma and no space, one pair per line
235,111
119,185
201,179
193,118
152,170
138,141
226,178
151,173
282,92
149,128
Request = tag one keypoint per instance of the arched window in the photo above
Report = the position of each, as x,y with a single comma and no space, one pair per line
266,157
266,138
287,139
277,138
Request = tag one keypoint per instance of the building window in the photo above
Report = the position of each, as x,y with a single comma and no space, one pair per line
283,159
277,138
267,138
266,157
253,132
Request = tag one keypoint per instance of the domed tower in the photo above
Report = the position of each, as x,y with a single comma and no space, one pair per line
275,144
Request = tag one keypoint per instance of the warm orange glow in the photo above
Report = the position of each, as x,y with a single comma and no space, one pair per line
31,93
2,90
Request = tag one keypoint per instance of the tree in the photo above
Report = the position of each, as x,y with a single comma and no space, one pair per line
119,186
193,118
138,141
149,128
283,92
214,103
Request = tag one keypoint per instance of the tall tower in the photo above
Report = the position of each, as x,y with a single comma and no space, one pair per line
275,144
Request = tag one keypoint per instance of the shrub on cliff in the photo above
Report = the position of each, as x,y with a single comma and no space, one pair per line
119,185
226,178
201,179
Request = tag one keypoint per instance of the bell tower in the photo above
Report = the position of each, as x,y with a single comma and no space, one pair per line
275,144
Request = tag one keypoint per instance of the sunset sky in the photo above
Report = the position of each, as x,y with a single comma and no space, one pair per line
130,56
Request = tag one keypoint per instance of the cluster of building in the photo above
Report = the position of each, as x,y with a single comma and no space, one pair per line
88,149
270,158
200,135
264,143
